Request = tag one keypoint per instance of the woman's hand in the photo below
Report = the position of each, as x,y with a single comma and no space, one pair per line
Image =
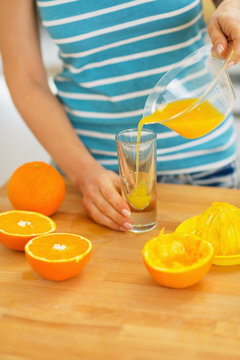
102,200
224,30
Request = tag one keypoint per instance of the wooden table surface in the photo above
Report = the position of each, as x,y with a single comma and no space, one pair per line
113,309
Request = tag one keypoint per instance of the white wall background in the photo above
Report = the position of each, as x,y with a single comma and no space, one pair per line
17,144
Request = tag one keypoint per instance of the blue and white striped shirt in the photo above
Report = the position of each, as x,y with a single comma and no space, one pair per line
113,53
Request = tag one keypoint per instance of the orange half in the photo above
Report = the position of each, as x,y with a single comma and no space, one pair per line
58,256
17,227
176,260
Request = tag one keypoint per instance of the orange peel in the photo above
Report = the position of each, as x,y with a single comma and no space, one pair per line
176,260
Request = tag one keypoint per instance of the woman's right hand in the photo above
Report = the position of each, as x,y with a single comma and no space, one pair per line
102,200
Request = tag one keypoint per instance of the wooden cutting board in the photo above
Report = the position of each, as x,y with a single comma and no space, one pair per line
113,309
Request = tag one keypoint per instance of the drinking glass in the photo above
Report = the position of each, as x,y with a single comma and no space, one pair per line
138,178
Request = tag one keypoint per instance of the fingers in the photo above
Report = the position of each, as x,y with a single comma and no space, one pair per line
219,40
228,57
103,213
224,31
109,192
104,204
100,218
112,202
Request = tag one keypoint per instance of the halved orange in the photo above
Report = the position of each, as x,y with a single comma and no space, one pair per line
58,256
176,260
17,227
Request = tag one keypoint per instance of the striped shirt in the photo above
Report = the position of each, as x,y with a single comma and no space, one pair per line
113,54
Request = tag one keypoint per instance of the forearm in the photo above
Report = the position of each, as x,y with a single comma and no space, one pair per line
46,117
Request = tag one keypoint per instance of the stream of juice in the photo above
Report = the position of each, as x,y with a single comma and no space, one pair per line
192,124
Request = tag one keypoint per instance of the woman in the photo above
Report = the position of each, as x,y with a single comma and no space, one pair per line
113,54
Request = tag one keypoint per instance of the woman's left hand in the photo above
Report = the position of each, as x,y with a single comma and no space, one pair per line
224,30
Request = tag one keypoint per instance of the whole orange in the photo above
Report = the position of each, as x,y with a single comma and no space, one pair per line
36,186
